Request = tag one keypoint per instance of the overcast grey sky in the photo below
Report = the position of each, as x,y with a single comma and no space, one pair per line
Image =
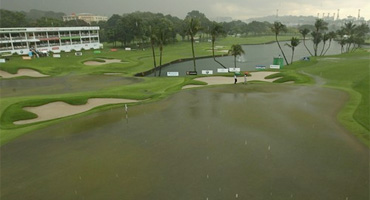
237,9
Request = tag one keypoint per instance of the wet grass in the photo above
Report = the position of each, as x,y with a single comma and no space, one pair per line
349,72
151,89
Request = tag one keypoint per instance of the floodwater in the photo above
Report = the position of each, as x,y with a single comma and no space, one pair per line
259,54
232,142
60,85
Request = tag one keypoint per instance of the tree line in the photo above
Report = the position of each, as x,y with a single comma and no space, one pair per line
350,37
146,29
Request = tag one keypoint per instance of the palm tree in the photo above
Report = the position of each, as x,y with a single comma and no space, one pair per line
216,31
163,34
277,28
294,42
192,29
153,40
342,41
320,25
349,30
316,39
304,33
236,50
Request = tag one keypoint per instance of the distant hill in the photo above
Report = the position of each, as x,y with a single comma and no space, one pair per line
34,14
287,20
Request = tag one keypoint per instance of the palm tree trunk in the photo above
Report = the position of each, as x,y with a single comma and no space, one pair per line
160,58
348,47
281,50
304,43
192,49
155,64
213,49
291,61
323,47
327,48
213,53
234,61
315,49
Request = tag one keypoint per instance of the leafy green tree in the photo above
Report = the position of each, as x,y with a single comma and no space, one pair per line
216,31
193,26
277,28
12,19
77,22
236,50
258,28
354,35
124,31
47,22
294,42
112,29
204,22
360,33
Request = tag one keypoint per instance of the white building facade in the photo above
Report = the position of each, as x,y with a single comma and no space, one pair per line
87,17
51,39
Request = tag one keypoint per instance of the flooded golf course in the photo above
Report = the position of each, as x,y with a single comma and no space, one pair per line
252,141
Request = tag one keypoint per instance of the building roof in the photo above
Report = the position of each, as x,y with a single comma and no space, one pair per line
43,29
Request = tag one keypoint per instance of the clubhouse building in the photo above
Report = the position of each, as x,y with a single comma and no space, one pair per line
49,39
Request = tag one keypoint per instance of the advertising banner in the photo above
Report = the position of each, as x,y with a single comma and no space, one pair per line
172,73
222,70
274,66
207,72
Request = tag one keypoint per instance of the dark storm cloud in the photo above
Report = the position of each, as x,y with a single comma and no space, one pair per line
238,9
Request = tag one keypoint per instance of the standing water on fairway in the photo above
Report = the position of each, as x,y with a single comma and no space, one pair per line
257,142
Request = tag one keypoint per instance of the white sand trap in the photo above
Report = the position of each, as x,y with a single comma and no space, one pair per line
22,72
61,109
218,80
106,61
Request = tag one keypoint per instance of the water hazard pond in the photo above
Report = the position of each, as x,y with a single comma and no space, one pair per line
259,54
255,142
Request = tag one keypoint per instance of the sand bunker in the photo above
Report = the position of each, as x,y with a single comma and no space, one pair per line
22,72
61,109
106,61
217,80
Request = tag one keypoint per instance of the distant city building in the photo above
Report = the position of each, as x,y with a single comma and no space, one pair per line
87,17
48,39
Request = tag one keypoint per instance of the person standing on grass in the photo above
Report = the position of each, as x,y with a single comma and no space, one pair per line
245,78
235,79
